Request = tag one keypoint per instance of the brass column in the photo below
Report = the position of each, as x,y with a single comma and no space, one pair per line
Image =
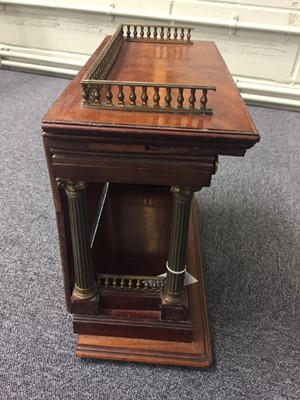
174,287
85,285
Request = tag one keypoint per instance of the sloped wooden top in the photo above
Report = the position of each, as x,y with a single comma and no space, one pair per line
199,63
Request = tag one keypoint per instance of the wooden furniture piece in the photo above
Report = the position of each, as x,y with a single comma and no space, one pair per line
127,144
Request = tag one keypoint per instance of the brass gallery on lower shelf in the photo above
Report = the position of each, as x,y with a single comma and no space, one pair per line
131,282
100,92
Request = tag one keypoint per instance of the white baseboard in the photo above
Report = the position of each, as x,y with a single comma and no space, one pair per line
269,94
54,63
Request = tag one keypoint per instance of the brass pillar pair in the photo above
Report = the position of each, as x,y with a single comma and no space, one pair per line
85,285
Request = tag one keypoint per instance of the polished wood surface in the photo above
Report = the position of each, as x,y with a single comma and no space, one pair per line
134,231
229,130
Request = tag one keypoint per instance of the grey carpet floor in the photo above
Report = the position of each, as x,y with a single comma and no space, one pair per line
250,244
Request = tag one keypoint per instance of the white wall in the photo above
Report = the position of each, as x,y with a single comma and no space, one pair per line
259,39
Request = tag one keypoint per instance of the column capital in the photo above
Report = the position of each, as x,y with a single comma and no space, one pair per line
71,187
186,191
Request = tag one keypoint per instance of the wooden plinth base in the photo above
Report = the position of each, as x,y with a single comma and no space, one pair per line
194,354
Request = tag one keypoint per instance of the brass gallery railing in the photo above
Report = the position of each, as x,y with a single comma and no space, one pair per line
157,33
100,92
132,282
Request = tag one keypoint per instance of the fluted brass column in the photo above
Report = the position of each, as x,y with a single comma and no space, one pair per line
85,285
174,288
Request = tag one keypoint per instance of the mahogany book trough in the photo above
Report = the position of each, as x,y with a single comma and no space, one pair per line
128,143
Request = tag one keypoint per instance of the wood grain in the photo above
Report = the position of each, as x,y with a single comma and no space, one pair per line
230,123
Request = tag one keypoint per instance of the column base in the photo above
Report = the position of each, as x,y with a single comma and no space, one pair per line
175,312
85,307
172,299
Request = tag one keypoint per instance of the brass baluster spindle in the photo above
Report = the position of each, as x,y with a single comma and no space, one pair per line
188,36
168,97
144,96
182,34
180,98
130,284
97,94
114,283
203,99
91,93
155,32
148,31
128,31
138,284
169,32
132,96
108,95
192,98
142,33
135,31
122,285
121,96
85,94
156,97
146,284
162,33
106,282
175,33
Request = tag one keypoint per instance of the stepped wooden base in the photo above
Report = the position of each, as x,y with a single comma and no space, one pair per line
194,354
